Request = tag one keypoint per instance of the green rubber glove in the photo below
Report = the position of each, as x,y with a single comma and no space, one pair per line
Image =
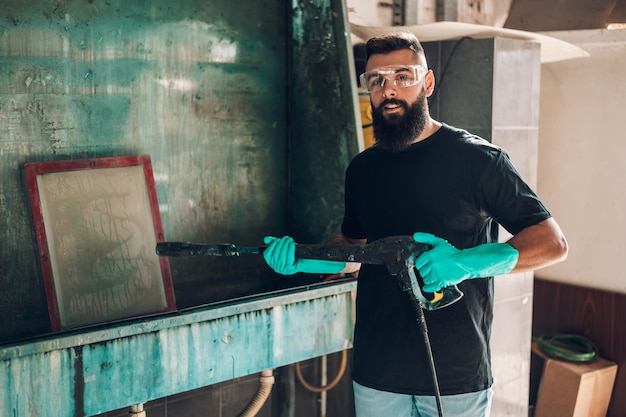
280,255
444,265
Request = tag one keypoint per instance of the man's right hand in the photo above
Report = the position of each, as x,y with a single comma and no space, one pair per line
280,255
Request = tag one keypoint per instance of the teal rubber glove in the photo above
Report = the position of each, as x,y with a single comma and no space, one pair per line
444,265
280,255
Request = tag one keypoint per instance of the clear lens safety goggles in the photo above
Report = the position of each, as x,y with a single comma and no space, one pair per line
398,75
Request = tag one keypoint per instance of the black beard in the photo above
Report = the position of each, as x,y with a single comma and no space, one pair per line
398,132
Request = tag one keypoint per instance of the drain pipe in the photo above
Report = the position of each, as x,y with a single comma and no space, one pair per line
266,380
137,411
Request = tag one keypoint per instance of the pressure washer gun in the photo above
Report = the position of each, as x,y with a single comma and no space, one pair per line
397,253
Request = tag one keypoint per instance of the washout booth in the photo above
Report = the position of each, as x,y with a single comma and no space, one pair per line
244,114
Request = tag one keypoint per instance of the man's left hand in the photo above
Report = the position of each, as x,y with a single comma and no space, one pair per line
444,265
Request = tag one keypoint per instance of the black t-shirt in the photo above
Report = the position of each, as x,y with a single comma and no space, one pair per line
456,186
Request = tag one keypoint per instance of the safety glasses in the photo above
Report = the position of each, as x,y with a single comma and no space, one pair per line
398,75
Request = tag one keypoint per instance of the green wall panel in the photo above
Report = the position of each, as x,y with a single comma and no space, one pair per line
246,110
197,85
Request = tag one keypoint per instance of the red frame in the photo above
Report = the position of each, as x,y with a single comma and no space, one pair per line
34,170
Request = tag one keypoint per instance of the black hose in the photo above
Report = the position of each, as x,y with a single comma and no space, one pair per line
421,320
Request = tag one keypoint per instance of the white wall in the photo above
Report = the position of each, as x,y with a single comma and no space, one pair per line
379,13
369,13
582,158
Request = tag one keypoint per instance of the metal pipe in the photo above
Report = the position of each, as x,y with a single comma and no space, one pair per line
137,411
324,381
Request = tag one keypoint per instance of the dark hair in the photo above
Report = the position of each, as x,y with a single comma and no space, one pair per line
393,42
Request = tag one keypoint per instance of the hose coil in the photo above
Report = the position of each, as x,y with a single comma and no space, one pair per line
568,347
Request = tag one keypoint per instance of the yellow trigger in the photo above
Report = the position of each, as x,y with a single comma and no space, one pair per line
436,297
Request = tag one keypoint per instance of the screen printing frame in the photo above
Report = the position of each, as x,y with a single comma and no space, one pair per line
97,222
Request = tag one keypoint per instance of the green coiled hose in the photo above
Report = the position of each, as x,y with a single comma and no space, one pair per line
568,347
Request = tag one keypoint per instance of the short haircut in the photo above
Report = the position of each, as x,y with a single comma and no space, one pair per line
394,41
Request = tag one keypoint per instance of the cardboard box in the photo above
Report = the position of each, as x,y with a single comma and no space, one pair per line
572,389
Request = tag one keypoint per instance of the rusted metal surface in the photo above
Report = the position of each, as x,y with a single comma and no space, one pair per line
114,367
323,108
248,120
197,85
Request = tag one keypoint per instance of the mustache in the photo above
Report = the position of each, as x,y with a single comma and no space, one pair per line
395,101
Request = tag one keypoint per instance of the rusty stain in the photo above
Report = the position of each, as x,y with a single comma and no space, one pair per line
79,383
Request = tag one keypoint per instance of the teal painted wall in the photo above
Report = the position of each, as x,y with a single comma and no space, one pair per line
234,102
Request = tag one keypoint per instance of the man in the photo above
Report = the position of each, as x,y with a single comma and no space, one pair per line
447,188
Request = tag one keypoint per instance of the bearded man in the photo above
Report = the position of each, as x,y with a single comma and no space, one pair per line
449,189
